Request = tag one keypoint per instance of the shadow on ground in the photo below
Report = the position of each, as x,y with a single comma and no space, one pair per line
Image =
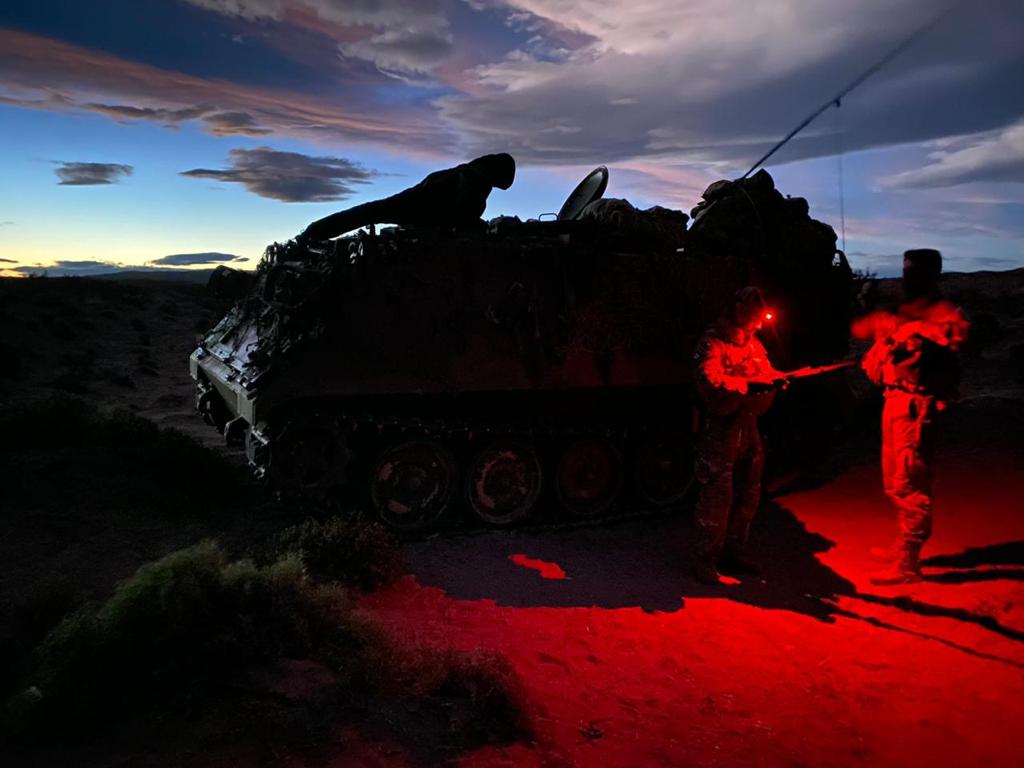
643,564
639,563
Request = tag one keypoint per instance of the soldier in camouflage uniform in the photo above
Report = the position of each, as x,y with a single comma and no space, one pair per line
735,382
914,359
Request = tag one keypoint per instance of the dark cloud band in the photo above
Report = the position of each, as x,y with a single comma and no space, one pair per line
187,259
88,174
289,176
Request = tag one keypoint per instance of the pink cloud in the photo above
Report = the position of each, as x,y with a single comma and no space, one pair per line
42,73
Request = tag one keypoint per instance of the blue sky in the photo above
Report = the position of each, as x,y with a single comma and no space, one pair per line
286,110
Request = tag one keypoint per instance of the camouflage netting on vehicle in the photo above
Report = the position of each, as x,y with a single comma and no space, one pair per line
610,299
745,232
437,311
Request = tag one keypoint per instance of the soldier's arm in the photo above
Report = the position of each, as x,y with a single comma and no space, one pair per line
875,325
876,358
711,368
957,326
766,372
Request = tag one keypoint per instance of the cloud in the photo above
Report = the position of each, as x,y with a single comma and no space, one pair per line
402,51
227,123
246,9
399,36
995,262
122,112
6,223
664,78
289,176
186,259
71,268
42,73
87,174
989,157
91,268
8,261
584,83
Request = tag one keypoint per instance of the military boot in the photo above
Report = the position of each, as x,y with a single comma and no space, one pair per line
705,572
734,562
904,569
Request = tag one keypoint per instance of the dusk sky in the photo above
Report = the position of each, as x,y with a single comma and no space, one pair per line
195,132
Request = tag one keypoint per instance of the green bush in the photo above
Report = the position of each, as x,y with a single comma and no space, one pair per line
192,637
353,552
483,697
186,627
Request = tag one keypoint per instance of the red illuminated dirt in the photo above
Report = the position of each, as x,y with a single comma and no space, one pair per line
546,570
629,662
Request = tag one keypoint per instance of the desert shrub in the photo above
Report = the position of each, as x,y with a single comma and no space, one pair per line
482,695
115,462
193,636
187,627
354,552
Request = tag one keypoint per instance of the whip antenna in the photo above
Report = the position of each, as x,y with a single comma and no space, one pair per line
835,100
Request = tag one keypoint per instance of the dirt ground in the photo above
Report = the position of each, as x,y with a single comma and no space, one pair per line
626,660
630,662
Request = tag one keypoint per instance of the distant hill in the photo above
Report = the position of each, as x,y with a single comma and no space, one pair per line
200,276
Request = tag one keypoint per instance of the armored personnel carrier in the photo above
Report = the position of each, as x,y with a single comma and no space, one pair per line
511,370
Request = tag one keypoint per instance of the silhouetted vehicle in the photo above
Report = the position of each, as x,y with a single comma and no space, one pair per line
512,369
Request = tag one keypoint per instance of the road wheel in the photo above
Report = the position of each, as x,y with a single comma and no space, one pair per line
412,483
589,477
503,482
663,469
309,457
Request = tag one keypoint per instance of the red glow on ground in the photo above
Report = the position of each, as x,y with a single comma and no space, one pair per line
633,663
546,570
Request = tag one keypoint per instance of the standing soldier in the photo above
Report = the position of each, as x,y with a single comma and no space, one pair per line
914,358
734,382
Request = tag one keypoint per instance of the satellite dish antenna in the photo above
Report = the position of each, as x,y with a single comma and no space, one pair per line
586,192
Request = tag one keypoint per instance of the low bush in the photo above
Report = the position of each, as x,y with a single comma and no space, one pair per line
194,639
353,552
188,627
482,694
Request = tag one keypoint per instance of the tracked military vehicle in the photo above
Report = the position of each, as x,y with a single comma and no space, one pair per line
512,370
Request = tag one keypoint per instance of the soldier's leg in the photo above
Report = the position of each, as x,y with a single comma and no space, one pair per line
715,460
746,486
914,459
908,484
746,501
891,407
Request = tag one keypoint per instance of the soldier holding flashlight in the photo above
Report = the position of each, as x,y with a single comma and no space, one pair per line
735,383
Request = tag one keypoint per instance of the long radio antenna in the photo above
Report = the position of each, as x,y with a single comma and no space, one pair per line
837,99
